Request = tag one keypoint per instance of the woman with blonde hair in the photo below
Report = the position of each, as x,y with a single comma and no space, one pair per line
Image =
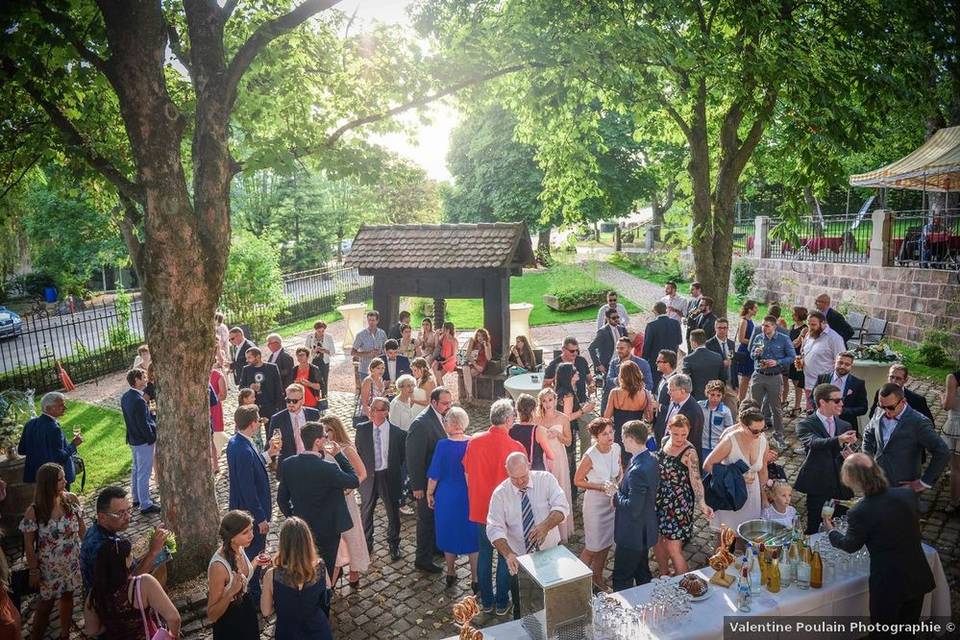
373,386
479,353
420,369
52,530
229,603
629,401
559,437
295,587
353,545
428,341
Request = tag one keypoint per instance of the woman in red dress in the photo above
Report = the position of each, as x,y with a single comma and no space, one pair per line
308,375
478,355
447,346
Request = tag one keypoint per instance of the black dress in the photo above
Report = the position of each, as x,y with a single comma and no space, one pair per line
526,434
795,374
239,621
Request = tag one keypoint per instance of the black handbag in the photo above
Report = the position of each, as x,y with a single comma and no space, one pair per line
740,357
80,469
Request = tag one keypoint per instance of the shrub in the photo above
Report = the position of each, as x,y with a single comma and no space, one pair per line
936,348
33,284
119,335
580,297
743,273
253,284
543,258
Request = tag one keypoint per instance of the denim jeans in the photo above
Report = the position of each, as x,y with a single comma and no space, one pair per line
140,473
485,573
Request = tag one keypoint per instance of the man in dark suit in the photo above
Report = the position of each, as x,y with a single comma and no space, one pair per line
277,355
249,487
240,341
422,438
723,344
604,344
661,333
899,375
43,441
835,319
852,389
264,379
141,437
289,422
635,515
682,402
898,435
887,522
826,439
312,489
701,364
706,319
624,353
381,446
666,364
396,331
396,365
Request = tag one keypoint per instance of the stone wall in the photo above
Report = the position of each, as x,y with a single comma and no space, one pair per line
912,300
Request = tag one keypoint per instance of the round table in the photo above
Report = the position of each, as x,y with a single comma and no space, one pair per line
873,374
529,383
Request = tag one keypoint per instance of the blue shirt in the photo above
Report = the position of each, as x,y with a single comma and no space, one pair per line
714,422
89,548
366,341
613,371
778,348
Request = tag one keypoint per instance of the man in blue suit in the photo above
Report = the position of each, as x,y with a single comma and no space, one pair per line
635,518
249,482
396,365
43,441
141,436
663,332
289,422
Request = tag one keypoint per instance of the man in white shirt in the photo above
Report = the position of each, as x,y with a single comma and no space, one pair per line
289,422
322,347
525,511
382,447
277,355
676,307
820,350
612,303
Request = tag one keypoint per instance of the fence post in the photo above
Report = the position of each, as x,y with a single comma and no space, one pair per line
881,242
761,237
651,237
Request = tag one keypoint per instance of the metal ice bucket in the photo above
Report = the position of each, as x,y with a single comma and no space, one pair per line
765,531
555,593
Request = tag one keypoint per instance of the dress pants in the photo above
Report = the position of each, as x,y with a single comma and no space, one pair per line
767,388
426,532
631,567
324,368
814,507
371,489
485,573
885,609
327,547
140,472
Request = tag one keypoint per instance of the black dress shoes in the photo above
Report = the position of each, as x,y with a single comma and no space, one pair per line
429,568
394,553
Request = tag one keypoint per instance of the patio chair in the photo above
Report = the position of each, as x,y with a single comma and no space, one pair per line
910,249
874,331
856,319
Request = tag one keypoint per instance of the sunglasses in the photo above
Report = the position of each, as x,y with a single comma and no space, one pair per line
756,432
892,407
571,350
294,400
834,400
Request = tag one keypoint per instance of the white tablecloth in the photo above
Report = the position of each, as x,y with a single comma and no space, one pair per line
845,596
529,383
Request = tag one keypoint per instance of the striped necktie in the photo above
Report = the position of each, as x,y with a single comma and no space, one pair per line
527,511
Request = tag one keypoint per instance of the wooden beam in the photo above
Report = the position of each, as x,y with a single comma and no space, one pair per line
496,312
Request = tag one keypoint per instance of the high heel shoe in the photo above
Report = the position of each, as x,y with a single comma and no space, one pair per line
451,581
355,584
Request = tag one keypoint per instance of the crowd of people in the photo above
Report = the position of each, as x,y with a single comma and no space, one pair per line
677,429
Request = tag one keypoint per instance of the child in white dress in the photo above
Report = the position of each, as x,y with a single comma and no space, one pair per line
780,510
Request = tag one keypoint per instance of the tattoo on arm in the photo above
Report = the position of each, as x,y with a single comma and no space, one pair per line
694,472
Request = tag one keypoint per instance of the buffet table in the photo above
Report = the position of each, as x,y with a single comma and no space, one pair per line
845,596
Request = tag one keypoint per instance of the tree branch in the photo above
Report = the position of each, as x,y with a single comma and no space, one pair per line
228,8
22,175
756,129
72,135
69,35
667,106
176,46
264,34
128,222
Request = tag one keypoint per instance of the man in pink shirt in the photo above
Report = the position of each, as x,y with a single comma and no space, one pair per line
484,464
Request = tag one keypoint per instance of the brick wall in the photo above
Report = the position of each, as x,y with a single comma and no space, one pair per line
912,300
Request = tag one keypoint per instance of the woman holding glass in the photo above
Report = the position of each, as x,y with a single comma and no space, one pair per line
353,545
428,341
559,437
744,443
373,386
598,475
445,360
479,353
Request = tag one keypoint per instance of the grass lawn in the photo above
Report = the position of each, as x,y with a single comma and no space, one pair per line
104,448
645,273
468,313
303,326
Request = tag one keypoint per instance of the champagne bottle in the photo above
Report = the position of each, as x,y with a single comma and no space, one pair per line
773,574
763,564
756,579
816,568
803,569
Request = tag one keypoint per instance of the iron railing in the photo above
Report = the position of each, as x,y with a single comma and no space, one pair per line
317,291
921,239
833,239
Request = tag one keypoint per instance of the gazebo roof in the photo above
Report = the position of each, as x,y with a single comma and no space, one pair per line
501,245
934,166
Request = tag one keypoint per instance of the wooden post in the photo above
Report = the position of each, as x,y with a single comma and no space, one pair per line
439,312
385,302
496,310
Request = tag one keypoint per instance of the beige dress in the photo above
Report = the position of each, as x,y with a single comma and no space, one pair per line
353,544
561,471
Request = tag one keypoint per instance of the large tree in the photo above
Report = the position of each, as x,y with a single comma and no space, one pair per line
152,95
719,71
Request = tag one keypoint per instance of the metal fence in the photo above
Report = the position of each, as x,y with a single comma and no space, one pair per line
103,339
923,240
838,239
96,341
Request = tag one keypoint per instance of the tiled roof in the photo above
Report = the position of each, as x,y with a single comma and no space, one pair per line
441,246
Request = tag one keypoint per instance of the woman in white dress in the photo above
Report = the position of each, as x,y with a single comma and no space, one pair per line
425,382
372,386
353,544
560,436
598,475
745,442
950,401
403,409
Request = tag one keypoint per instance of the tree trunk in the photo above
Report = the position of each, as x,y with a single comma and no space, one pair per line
543,241
617,239
596,231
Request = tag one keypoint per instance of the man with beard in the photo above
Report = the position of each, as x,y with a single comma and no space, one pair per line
264,379
853,390
819,351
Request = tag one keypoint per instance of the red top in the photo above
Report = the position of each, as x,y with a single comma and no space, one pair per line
484,463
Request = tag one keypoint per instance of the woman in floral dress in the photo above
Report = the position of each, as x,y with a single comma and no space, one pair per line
52,529
680,492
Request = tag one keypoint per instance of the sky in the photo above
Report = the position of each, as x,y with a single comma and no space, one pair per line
427,146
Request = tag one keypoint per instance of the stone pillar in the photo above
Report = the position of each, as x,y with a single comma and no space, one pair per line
881,240
761,237
651,238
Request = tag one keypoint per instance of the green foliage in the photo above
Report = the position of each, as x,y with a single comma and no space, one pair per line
936,348
743,275
253,283
33,284
580,297
119,335
658,266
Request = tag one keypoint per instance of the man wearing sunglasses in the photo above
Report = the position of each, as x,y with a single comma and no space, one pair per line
289,422
897,437
826,439
899,375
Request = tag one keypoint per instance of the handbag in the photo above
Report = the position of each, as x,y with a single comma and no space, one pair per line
740,357
161,633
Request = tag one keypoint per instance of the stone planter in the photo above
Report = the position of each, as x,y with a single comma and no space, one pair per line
553,303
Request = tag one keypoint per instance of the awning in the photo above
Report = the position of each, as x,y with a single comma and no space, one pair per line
935,166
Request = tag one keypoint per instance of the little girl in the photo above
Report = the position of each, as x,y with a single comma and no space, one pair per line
780,510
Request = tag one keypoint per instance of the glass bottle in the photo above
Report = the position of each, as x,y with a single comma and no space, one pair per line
773,573
763,563
756,579
816,567
803,568
743,589
785,566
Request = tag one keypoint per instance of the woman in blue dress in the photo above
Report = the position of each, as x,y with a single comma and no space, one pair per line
744,333
296,586
447,496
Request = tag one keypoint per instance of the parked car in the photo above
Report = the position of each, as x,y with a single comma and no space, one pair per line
11,325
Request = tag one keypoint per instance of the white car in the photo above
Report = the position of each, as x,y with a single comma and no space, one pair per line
11,325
